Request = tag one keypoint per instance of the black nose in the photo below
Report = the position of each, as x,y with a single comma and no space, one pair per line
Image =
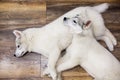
14,55
65,19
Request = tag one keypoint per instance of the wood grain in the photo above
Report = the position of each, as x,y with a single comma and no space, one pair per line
21,14
54,11
19,69
34,78
22,0
72,78
81,1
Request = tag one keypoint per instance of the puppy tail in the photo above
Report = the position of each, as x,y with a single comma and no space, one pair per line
102,7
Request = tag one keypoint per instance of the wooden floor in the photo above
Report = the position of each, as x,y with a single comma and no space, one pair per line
30,66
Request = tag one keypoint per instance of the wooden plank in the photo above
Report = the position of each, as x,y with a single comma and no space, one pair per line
82,1
78,78
116,52
34,78
20,7
22,0
18,26
72,78
114,28
56,10
77,71
19,69
112,15
22,14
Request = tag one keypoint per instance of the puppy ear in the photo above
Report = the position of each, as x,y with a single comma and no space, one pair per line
87,25
17,33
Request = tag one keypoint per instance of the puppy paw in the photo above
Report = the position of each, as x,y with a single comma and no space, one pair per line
114,42
111,48
46,72
53,75
59,77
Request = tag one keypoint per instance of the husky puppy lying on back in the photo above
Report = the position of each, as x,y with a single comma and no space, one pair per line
88,53
51,39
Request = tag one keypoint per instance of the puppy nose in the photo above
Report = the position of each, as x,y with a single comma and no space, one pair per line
14,55
65,19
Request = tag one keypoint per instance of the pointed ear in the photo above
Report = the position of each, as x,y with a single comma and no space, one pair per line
87,25
17,33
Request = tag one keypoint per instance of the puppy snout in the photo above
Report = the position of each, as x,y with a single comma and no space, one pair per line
65,19
15,55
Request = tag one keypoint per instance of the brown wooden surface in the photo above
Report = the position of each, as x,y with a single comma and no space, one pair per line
35,13
22,0
81,1
21,14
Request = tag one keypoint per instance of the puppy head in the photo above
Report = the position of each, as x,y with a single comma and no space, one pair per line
21,43
76,24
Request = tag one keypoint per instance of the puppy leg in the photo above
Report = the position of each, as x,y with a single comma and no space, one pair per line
70,63
46,72
108,42
60,61
53,57
59,76
63,59
110,35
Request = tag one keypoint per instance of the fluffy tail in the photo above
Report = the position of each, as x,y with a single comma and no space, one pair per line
102,7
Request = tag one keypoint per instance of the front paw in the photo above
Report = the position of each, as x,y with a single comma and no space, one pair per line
53,75
59,77
46,72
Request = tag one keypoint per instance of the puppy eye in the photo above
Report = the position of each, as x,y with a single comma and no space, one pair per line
74,21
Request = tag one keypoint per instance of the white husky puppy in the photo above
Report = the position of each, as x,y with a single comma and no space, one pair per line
100,32
88,53
51,39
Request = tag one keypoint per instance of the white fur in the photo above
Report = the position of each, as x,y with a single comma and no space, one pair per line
101,8
99,30
89,54
48,40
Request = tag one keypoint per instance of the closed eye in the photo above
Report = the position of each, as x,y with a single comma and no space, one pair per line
74,21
